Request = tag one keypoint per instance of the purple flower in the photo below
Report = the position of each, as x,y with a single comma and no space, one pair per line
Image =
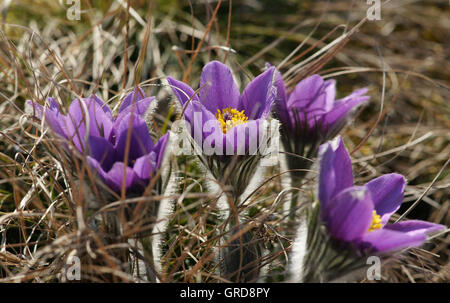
359,214
90,125
222,118
310,110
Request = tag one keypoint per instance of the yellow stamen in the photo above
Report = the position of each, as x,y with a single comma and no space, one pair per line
376,222
230,117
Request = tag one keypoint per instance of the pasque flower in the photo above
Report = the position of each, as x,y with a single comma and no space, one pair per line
90,125
359,214
309,116
219,116
230,129
310,111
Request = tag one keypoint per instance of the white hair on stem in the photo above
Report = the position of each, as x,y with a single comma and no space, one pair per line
299,250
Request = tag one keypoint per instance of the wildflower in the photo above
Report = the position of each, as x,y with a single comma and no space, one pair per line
310,112
222,118
350,221
90,126
359,214
230,129
310,116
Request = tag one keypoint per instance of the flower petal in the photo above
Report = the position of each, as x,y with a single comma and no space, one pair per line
140,141
243,139
98,168
281,102
53,117
54,105
136,95
334,120
56,121
348,215
383,240
140,108
217,87
387,194
136,102
183,91
100,120
36,108
160,149
335,172
415,226
102,151
259,95
197,116
145,166
313,95
114,177
100,103
397,236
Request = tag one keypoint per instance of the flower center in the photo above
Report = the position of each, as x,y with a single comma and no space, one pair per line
230,117
376,222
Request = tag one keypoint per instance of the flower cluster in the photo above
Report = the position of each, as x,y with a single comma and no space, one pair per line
359,215
91,127
230,128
